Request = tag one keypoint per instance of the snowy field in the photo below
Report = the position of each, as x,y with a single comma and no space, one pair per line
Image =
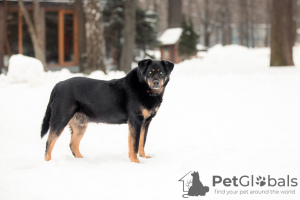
226,114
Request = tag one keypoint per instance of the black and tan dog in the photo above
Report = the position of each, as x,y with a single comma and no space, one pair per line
134,99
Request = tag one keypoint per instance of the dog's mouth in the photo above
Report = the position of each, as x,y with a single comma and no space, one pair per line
156,87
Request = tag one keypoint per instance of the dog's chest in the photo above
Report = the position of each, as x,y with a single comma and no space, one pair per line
149,113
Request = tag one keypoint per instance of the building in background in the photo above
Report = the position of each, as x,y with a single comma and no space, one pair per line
59,29
169,45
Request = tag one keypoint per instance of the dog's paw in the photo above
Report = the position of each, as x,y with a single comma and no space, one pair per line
47,157
144,156
135,160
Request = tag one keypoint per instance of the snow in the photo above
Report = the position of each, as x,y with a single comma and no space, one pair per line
227,114
24,69
170,36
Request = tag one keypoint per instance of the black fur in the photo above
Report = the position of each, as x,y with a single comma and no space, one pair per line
116,101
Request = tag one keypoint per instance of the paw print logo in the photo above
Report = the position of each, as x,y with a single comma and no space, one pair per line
261,181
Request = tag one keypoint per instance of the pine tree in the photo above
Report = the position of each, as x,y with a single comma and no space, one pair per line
146,28
188,40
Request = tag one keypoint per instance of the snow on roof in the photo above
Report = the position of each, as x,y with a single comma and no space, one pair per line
170,36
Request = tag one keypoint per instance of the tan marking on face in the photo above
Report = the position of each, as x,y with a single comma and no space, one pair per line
158,69
150,83
161,83
166,78
156,109
153,70
131,143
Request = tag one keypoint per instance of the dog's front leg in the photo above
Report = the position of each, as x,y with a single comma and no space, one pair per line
143,137
133,140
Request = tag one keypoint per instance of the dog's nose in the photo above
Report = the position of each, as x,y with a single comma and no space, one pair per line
156,83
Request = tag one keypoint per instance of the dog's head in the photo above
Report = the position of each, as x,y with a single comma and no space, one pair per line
156,73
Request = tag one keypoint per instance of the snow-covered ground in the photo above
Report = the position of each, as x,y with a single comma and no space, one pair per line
228,114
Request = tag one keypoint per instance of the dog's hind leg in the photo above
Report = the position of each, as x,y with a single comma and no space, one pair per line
52,137
78,125
59,120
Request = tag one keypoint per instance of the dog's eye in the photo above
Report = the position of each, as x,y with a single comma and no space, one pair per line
161,73
150,72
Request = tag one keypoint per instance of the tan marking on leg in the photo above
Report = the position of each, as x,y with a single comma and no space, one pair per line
131,142
77,134
141,143
52,138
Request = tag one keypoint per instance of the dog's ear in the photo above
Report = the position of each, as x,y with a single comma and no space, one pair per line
143,64
169,66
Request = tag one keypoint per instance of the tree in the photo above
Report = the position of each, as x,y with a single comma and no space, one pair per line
282,33
83,67
146,29
243,23
188,40
225,23
1,39
128,35
94,36
210,10
113,18
35,29
7,46
174,17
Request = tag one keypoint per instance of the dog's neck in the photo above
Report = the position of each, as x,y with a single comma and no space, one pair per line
153,94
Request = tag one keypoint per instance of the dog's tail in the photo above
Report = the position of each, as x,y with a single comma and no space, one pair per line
46,120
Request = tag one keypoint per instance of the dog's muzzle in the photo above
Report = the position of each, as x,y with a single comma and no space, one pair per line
156,84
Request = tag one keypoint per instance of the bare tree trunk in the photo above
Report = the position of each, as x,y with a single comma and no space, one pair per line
267,21
175,16
81,35
252,16
282,40
129,35
207,27
35,29
246,31
226,21
1,39
243,23
7,46
94,35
